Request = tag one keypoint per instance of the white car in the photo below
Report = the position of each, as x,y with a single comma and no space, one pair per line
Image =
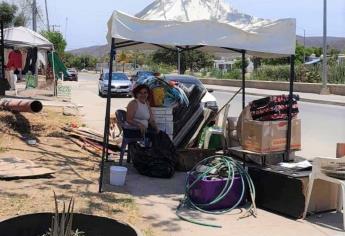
209,101
120,84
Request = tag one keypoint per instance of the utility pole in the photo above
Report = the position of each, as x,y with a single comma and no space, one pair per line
324,89
34,14
303,45
2,60
66,24
48,26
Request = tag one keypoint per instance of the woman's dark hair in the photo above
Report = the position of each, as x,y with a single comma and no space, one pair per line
137,89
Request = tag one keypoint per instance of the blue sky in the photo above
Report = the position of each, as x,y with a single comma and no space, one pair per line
86,24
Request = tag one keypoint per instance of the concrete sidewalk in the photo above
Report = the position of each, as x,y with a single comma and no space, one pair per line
304,97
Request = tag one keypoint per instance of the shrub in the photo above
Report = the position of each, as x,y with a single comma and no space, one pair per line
233,74
336,73
272,73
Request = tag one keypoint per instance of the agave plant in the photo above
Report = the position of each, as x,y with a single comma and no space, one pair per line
62,223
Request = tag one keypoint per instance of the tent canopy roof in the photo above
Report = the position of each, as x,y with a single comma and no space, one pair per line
263,39
24,37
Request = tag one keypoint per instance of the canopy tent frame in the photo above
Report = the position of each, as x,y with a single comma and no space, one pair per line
112,56
130,36
2,55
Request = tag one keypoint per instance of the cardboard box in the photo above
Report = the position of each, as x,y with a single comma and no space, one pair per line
270,136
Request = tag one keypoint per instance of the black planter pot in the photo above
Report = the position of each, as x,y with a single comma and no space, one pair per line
38,224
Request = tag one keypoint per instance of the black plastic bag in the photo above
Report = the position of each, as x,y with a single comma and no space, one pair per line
157,161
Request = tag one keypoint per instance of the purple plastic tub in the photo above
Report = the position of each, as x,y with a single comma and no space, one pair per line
206,191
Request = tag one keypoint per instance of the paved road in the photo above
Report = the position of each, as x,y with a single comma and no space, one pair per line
322,125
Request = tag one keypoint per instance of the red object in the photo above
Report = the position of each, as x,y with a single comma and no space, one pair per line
15,60
21,105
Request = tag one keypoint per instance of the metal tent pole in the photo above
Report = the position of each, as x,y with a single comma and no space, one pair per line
243,79
179,61
2,66
288,133
107,115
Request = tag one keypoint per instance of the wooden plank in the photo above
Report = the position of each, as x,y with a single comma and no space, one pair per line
14,167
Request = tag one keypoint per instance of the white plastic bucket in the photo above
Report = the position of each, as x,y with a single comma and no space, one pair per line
118,175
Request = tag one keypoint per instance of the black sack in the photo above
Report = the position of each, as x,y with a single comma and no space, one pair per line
157,161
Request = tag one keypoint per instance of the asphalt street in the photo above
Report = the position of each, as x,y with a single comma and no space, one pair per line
322,125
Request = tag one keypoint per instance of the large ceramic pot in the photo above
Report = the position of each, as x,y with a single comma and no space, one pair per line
38,224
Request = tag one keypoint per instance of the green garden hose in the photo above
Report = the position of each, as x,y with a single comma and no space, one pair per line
215,164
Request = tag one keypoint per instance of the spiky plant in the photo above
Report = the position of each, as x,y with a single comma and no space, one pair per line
62,225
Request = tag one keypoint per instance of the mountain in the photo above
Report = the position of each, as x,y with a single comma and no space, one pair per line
96,51
333,42
190,10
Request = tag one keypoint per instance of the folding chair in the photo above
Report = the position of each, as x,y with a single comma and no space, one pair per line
124,127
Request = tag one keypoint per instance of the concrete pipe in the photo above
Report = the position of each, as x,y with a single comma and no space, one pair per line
21,105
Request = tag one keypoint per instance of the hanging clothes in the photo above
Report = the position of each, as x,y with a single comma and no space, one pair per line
15,60
30,64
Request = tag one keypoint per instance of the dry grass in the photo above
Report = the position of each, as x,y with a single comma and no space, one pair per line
77,171
47,123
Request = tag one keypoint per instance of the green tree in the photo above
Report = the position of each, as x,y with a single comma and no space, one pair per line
300,52
317,51
7,13
20,20
238,63
57,39
194,59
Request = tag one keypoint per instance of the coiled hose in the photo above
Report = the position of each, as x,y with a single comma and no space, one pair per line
214,164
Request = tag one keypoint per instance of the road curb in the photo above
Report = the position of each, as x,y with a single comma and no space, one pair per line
301,99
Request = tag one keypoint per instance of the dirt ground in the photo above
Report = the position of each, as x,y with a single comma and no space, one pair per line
77,171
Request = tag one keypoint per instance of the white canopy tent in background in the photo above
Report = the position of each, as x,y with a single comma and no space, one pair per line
24,37
208,25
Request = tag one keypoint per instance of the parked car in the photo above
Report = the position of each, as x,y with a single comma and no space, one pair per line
141,74
120,84
72,74
209,101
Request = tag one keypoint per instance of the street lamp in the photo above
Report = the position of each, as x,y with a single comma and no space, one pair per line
324,88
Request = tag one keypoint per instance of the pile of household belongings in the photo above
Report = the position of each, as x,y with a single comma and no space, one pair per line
180,114
262,126
188,114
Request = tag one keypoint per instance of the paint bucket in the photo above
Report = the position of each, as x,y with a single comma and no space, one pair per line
118,175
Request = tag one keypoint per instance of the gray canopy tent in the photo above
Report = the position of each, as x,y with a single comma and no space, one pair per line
264,39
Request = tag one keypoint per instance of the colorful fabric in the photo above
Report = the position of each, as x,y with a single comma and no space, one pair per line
273,108
172,95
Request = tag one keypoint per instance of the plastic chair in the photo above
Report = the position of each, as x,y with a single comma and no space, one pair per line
320,167
219,129
123,126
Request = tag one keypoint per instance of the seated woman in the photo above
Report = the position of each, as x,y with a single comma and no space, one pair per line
139,112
